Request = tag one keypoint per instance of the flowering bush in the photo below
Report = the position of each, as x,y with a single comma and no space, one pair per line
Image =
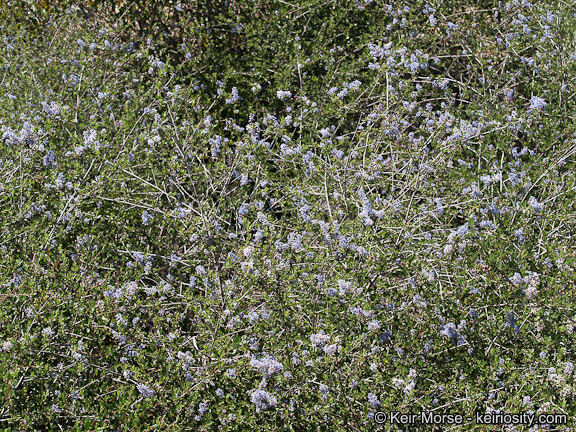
287,215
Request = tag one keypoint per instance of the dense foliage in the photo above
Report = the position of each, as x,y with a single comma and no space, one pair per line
285,215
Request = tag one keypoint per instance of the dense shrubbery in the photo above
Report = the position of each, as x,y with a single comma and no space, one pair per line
286,215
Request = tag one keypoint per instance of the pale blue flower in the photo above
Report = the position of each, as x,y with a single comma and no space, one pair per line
263,400
537,103
146,217
281,94
145,390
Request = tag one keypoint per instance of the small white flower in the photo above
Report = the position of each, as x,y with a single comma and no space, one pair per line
145,390
7,346
48,332
283,94
330,349
374,326
319,339
248,251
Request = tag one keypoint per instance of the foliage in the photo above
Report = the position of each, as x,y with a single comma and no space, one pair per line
285,215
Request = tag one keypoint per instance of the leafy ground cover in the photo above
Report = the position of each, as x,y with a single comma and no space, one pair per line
286,215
